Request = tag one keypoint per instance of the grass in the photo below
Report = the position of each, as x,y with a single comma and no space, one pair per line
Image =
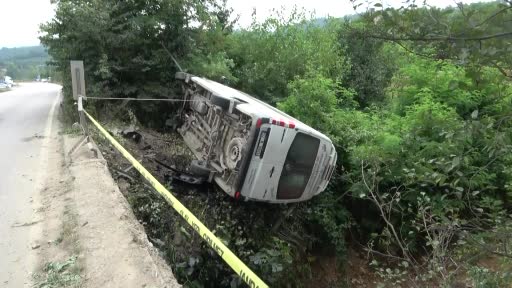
60,274
68,129
66,273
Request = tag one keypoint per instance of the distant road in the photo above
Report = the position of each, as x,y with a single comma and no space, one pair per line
23,117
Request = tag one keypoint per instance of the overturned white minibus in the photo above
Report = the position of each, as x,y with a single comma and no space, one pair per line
250,149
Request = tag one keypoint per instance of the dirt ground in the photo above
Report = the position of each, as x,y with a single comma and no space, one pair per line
85,234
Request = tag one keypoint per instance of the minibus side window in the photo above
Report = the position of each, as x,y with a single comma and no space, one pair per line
298,166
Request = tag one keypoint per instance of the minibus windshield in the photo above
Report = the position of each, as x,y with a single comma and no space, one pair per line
298,166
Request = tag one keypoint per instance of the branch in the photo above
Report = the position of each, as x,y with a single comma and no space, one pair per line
485,20
412,51
460,5
443,38
492,16
373,251
172,56
501,70
489,250
385,217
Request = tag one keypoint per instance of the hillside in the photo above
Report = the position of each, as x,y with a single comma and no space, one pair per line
24,63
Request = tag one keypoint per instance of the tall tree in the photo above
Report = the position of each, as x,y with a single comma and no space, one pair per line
128,46
475,35
370,68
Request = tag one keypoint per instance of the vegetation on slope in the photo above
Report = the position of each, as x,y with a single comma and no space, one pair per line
418,102
24,63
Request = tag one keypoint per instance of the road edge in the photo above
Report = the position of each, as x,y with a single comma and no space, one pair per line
36,231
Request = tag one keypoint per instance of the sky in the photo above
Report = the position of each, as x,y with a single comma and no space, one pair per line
20,19
321,8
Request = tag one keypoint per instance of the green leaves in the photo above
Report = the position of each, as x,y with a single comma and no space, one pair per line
369,66
270,55
217,67
473,35
311,100
125,46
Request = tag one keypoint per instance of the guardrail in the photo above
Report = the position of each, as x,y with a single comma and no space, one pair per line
215,243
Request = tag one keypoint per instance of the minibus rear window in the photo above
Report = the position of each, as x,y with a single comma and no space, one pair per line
298,166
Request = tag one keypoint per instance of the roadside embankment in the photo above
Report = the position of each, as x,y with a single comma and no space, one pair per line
89,236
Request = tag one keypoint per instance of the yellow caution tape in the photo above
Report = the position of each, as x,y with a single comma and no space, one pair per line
236,264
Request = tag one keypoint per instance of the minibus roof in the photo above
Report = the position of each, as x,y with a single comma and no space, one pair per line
252,106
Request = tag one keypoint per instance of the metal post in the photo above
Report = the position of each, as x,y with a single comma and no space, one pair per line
78,84
85,129
83,125
83,122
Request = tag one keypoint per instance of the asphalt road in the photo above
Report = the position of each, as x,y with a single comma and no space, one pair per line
24,113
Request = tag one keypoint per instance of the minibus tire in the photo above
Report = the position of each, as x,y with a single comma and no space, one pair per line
220,101
198,168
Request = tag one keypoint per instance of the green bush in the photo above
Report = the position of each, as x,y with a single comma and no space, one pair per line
484,278
271,54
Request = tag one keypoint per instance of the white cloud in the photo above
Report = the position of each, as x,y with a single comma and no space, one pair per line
20,19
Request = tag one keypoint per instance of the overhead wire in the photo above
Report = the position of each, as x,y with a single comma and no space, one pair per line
144,99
